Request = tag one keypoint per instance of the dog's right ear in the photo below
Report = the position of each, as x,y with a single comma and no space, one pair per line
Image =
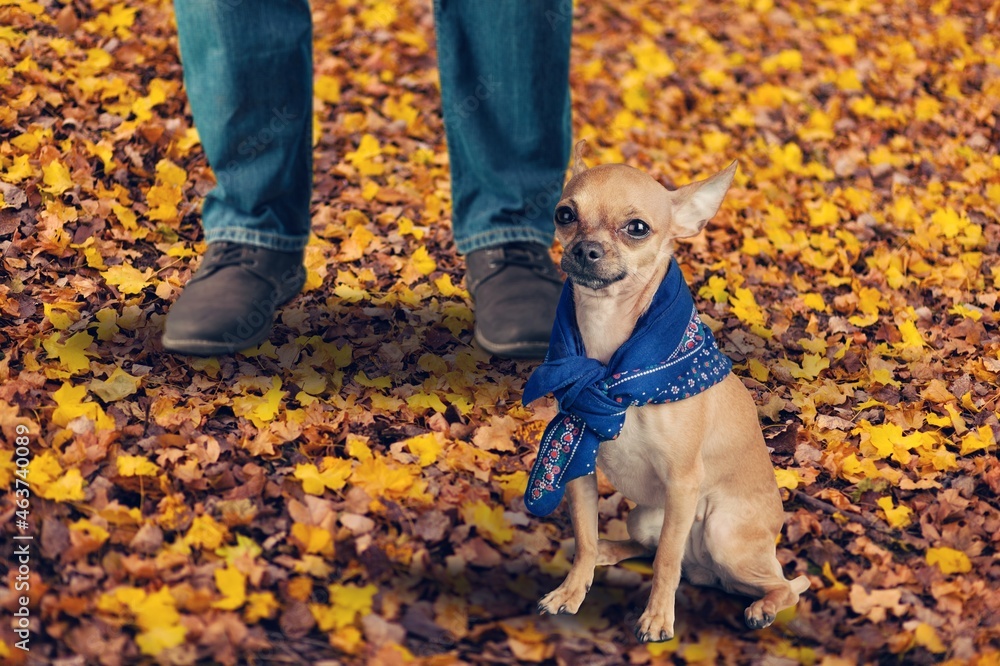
696,203
579,151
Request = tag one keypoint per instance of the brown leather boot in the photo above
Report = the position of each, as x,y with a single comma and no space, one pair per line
229,304
516,289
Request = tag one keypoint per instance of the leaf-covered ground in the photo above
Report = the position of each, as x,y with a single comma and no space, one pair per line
350,491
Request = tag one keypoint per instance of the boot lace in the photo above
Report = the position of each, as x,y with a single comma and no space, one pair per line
526,255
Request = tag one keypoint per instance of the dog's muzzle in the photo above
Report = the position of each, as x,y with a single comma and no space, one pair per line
587,264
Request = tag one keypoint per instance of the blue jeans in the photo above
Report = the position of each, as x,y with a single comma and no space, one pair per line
505,94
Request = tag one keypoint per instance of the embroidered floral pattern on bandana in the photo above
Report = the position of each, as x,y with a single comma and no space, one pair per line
670,356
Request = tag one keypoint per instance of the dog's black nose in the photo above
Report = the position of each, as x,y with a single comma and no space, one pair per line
588,252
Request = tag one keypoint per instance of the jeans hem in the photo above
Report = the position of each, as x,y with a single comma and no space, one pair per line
271,241
501,236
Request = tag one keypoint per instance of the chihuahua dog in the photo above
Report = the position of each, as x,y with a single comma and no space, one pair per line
697,467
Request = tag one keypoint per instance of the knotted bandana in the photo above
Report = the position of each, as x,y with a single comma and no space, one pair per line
671,355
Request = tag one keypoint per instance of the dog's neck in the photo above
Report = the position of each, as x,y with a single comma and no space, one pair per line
606,317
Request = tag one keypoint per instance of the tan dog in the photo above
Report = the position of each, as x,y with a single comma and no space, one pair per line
698,469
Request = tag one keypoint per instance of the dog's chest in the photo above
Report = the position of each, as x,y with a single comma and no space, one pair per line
632,462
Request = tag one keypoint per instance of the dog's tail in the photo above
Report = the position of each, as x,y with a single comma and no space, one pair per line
799,585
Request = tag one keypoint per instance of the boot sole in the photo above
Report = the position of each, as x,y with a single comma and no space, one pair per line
196,347
513,350
202,347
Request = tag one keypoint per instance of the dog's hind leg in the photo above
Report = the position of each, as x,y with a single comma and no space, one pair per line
762,612
743,556
644,525
612,552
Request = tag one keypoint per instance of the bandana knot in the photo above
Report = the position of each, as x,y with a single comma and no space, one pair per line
671,355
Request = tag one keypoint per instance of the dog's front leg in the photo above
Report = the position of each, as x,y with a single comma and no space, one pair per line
657,621
582,496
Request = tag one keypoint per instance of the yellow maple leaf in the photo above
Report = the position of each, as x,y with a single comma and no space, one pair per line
62,314
354,247
812,365
205,533
758,370
898,517
911,338
370,190
118,385
107,324
314,539
156,640
94,258
927,637
95,532
826,214
363,159
71,354
488,521
433,364
57,178
426,447
977,440
379,478
349,294
447,288
401,108
316,262
350,601
332,474
327,88
787,59
70,405
378,15
650,59
715,288
512,485
67,488
136,466
787,478
948,560
7,468
232,583
260,605
744,306
949,222
841,45
19,169
260,410
127,278
384,383
421,402
422,262
815,301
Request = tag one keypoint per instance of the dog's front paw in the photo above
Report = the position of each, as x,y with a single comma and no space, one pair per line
565,599
760,614
655,627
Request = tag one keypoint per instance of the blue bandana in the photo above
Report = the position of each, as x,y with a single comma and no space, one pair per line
671,355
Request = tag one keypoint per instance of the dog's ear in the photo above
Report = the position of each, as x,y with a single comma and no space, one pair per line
579,151
696,203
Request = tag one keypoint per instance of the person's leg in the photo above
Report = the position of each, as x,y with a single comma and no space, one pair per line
248,75
505,95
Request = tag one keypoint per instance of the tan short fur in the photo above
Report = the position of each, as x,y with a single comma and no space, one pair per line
698,469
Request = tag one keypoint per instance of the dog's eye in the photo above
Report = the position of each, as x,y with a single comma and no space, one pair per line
565,215
637,229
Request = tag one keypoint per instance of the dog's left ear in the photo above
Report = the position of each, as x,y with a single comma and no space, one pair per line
696,203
